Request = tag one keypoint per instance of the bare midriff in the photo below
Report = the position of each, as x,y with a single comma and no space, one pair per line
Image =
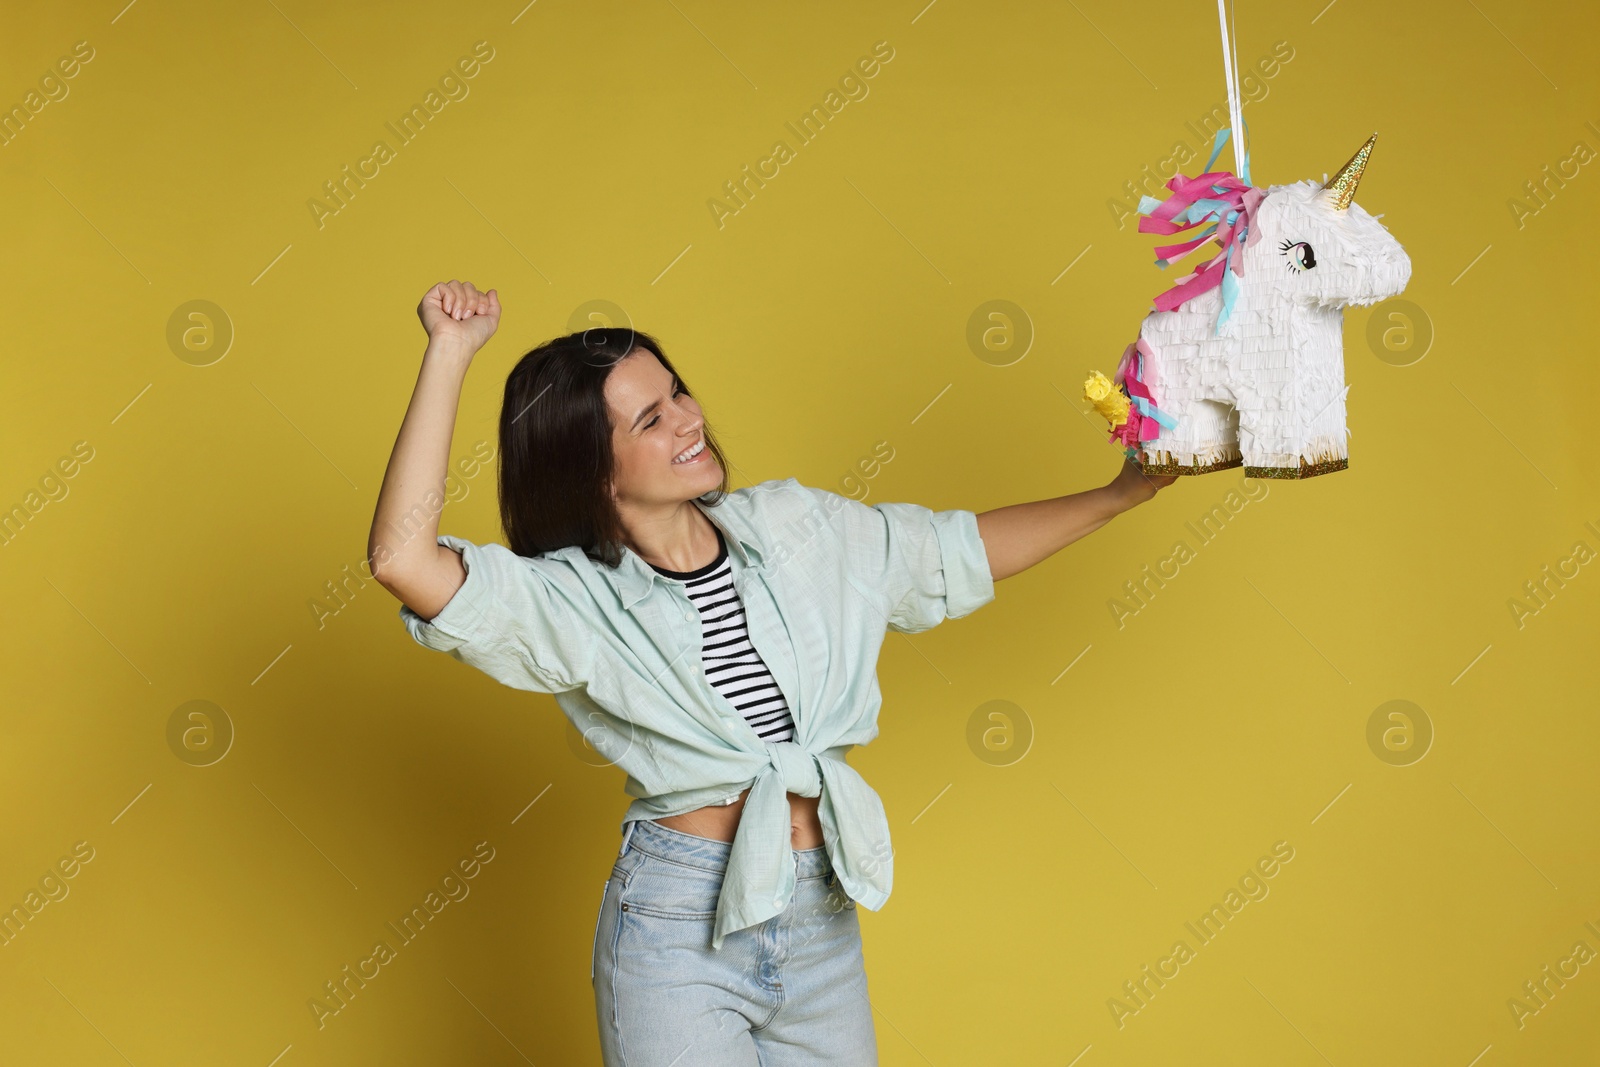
720,821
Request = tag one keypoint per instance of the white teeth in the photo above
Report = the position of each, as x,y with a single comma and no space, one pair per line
684,457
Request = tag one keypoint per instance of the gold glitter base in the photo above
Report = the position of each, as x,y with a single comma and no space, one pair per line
1180,468
1304,470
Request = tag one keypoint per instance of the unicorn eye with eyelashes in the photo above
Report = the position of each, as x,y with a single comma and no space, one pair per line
1298,256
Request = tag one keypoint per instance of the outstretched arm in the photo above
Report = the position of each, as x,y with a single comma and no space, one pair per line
1019,535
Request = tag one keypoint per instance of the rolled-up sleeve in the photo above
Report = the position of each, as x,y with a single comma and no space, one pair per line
509,621
927,565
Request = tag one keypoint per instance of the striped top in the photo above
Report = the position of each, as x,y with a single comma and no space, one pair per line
733,667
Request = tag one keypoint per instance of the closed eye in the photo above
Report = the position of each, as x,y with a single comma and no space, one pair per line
676,389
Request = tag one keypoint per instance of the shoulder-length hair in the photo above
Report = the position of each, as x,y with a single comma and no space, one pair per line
556,461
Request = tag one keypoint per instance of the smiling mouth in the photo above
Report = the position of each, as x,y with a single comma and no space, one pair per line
691,454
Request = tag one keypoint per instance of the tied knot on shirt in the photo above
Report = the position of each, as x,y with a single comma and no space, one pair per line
796,767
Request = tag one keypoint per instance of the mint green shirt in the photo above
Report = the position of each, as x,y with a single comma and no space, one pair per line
822,577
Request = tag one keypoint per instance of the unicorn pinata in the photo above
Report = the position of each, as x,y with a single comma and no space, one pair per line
1241,363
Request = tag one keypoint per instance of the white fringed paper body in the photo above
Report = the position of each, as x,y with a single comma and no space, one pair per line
1242,362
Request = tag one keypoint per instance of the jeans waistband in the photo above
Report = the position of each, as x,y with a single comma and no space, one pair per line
651,837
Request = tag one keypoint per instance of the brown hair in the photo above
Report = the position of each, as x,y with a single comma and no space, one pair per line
556,460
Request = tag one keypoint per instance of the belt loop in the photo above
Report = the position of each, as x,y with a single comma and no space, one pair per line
627,836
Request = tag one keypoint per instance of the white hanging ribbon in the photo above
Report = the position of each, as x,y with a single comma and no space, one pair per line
1230,68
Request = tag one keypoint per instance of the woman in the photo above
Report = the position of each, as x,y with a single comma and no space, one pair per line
719,647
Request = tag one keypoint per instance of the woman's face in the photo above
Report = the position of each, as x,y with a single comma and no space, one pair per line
653,422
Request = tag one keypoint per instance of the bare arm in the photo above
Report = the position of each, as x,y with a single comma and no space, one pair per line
403,547
1017,536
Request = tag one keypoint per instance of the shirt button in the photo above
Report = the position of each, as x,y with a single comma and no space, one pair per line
688,614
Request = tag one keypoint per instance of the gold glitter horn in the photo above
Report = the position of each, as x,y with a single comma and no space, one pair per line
1344,183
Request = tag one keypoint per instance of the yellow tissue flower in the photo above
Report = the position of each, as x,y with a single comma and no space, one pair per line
1107,399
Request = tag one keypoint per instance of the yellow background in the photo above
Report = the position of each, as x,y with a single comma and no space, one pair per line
1228,714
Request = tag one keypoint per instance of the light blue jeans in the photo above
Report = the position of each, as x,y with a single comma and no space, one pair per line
788,992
